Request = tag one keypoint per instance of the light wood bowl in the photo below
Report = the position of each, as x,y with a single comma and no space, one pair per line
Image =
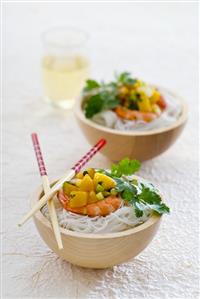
143,145
97,250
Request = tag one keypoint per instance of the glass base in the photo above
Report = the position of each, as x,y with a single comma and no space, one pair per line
66,104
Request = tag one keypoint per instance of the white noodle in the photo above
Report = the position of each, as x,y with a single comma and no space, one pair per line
122,219
106,118
111,120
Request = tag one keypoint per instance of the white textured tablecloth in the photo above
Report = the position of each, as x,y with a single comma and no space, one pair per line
157,42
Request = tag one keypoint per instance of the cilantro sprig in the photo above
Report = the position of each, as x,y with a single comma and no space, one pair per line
90,85
101,96
140,195
103,100
126,167
153,200
126,78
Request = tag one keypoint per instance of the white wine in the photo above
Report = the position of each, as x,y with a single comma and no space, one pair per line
63,78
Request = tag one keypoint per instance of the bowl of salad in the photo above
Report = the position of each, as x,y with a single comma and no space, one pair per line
105,216
139,120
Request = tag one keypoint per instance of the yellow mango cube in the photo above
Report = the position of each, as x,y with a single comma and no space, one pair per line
106,181
78,182
68,188
155,97
78,199
92,197
144,105
91,172
86,183
138,83
79,175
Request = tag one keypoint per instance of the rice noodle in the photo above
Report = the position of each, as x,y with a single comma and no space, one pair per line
122,219
109,118
106,118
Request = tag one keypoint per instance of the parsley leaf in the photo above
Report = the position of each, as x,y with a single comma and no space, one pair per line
125,78
149,195
151,198
160,208
138,209
125,167
103,100
139,195
93,106
129,194
91,84
106,95
126,187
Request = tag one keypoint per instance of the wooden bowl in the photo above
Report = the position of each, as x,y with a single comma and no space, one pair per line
143,145
97,250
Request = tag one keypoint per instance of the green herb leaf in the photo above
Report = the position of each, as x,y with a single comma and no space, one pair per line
110,99
135,193
106,94
153,200
149,195
138,209
125,167
128,194
91,84
160,208
125,78
104,100
93,106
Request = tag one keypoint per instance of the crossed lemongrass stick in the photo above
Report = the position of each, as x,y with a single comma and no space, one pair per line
67,177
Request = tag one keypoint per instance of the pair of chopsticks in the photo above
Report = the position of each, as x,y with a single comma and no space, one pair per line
46,186
50,192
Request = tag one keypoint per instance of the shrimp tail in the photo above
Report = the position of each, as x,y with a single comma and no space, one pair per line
100,208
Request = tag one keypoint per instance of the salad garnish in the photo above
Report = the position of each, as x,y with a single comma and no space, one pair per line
130,98
135,193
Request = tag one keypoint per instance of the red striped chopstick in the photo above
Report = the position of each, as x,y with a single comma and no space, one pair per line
68,176
46,186
38,154
77,167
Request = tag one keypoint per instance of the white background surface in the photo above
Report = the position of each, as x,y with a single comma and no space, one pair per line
157,42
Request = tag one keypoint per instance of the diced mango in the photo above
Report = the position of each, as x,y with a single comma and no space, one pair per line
155,97
92,197
86,183
123,90
68,188
144,105
79,175
78,182
78,199
104,180
90,171
138,83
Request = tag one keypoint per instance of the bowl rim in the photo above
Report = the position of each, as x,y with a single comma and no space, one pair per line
181,120
40,217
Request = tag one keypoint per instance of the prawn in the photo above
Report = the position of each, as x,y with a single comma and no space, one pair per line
100,208
134,114
162,103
